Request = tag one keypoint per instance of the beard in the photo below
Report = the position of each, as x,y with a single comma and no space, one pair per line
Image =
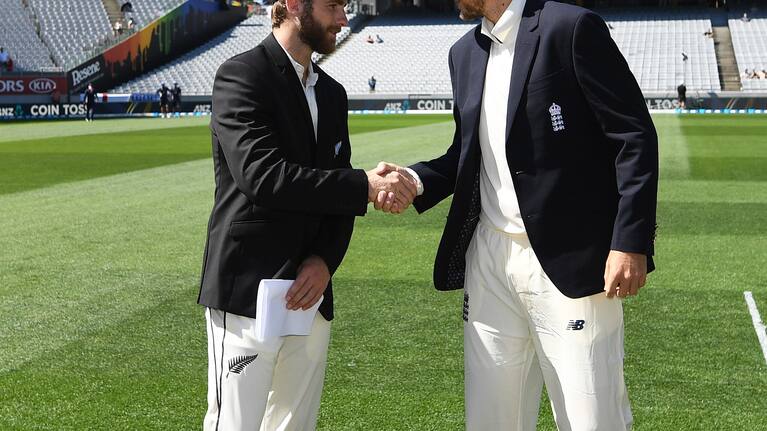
470,9
315,35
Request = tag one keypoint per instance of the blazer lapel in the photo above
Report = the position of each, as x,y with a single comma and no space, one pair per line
294,87
524,53
325,119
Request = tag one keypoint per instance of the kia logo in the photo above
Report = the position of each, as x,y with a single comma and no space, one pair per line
42,85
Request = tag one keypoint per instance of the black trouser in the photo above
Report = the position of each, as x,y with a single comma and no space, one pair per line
89,111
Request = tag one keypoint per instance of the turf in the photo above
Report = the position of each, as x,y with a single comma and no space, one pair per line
101,253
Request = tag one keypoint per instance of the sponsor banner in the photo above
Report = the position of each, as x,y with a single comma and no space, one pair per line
401,105
144,97
709,102
16,85
653,103
88,72
108,109
42,110
120,106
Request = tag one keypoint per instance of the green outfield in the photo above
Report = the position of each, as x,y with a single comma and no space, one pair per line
102,228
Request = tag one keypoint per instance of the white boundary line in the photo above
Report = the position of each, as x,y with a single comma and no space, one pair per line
761,330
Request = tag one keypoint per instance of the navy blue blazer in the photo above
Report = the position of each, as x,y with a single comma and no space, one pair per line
581,148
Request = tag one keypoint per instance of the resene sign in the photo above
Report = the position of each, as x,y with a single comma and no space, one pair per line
80,77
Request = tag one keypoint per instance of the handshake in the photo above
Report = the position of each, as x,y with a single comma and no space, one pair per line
391,188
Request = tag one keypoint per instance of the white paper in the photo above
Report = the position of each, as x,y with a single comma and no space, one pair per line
273,319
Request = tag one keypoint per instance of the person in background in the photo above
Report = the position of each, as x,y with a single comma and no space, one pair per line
4,58
682,93
165,94
89,99
372,83
176,93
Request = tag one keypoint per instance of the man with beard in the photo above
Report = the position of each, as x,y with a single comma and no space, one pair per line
285,200
554,170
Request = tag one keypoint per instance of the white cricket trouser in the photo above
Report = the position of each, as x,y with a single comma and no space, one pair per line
521,331
274,386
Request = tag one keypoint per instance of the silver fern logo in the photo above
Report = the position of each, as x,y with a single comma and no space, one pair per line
238,363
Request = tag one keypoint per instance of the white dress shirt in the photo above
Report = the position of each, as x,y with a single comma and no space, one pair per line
500,207
308,86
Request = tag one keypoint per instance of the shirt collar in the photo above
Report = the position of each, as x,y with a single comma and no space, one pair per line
311,78
507,23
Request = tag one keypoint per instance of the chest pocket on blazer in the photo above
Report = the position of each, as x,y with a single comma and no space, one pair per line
548,112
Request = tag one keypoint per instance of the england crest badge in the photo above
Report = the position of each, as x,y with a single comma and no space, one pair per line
557,120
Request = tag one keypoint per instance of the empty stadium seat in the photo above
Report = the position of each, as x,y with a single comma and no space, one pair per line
196,70
20,40
749,39
652,41
71,29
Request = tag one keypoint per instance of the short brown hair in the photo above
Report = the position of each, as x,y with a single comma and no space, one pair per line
280,11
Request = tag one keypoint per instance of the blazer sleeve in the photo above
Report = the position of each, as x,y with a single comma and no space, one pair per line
335,231
438,176
619,106
243,123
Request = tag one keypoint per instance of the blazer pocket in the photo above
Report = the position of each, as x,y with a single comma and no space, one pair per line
239,229
544,81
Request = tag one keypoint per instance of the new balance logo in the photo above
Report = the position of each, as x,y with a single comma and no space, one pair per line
238,363
465,307
575,325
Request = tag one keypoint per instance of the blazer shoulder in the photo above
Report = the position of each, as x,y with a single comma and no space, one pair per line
562,15
466,41
255,58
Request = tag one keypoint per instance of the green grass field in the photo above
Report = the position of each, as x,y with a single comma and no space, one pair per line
101,235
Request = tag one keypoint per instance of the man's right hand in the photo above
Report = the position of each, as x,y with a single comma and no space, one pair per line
391,190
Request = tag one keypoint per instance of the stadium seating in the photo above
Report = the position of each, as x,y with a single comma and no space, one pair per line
71,29
196,70
750,42
653,42
18,37
146,11
411,60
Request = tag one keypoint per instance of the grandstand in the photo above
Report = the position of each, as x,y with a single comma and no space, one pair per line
651,41
749,38
196,70
664,49
20,40
56,35
71,29
411,60
146,11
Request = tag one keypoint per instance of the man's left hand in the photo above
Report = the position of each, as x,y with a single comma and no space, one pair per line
311,282
625,273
